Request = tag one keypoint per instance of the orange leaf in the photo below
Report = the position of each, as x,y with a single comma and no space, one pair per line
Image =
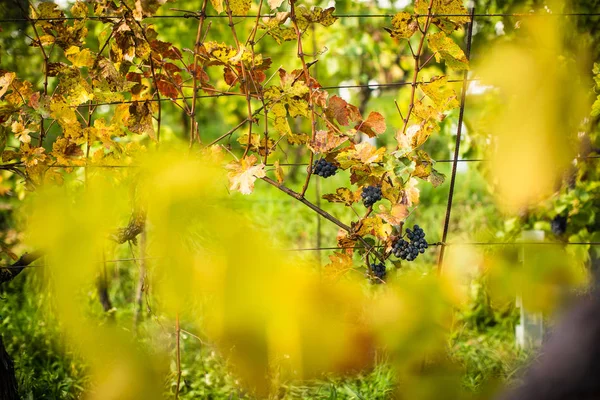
374,125
325,141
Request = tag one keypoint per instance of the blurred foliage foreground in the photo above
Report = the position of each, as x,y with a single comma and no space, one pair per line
202,303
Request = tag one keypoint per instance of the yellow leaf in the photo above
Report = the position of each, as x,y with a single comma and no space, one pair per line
21,132
243,173
343,195
404,25
80,58
5,81
339,264
240,7
440,93
445,48
278,172
376,227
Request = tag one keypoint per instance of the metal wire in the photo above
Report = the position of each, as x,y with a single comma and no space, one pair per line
195,15
434,244
370,86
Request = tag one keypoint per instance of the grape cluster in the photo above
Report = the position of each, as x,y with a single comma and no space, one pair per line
378,271
410,250
324,169
371,195
559,225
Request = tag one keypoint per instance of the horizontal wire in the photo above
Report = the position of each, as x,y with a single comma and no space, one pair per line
434,244
370,86
268,165
196,15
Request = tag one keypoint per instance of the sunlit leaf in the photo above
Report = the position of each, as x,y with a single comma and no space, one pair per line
243,173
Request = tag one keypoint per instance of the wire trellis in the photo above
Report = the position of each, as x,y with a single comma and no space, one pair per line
190,14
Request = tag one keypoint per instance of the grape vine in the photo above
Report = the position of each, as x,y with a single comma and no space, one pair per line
134,71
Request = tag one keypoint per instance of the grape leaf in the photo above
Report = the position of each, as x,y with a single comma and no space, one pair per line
436,178
240,7
339,264
394,216
21,132
456,13
340,110
362,154
305,17
274,3
374,125
403,25
244,173
445,48
80,58
374,226
441,94
140,118
5,80
218,5
325,141
343,195
278,172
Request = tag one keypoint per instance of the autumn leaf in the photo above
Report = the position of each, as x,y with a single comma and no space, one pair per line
21,132
5,80
436,178
166,88
445,48
441,94
218,5
240,7
362,154
315,15
403,25
394,216
243,173
80,58
343,195
338,110
31,156
274,3
325,141
374,125
374,226
455,11
339,264
278,172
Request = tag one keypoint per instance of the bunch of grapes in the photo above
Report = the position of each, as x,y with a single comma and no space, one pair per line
324,169
410,250
559,225
378,271
371,195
